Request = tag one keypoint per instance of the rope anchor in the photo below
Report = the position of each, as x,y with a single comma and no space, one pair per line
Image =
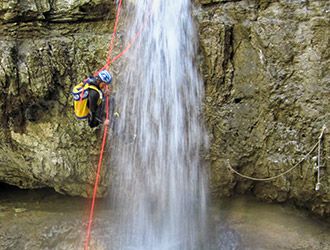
317,168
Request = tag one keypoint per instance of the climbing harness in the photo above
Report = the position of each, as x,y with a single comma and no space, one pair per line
318,144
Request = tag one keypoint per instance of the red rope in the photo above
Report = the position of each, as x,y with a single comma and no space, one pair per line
123,52
105,132
113,36
129,45
127,48
132,41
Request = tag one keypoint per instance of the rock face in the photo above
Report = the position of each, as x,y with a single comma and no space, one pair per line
47,47
267,77
266,66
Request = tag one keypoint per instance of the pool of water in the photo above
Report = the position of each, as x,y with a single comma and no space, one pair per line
43,219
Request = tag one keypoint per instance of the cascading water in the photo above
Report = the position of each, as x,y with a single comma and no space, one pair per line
159,187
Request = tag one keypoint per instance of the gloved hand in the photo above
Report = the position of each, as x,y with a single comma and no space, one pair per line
106,122
107,91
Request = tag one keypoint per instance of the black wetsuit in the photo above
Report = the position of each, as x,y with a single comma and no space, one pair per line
95,117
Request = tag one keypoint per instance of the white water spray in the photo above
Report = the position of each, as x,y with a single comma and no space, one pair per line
158,189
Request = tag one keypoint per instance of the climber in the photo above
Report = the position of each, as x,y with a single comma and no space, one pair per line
89,98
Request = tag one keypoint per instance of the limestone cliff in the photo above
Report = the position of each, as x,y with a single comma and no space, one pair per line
267,74
266,70
46,47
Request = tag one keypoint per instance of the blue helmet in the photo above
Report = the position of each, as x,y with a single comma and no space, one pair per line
105,76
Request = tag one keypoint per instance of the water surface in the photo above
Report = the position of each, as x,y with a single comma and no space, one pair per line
46,220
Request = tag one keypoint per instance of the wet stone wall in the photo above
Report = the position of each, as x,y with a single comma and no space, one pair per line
46,48
266,70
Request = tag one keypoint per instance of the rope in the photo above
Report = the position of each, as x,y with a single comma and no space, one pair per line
123,52
132,41
127,47
113,36
285,172
105,132
318,184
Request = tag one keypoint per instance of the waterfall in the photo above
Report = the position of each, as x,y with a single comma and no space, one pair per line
159,188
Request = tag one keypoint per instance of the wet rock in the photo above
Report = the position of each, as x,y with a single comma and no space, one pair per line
47,48
266,70
20,210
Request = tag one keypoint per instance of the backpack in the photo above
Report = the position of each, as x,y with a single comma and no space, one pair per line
80,94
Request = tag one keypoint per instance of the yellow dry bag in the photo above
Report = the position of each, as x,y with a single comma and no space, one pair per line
80,94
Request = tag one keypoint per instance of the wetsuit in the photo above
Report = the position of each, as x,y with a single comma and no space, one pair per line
95,117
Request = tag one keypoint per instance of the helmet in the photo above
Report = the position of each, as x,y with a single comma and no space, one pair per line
105,76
